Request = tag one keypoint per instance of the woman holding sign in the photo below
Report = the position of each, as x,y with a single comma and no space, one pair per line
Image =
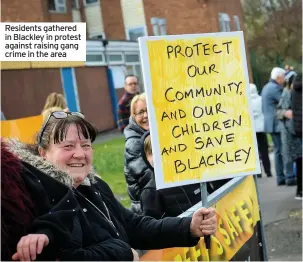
103,229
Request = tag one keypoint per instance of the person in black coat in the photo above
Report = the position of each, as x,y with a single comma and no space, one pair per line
296,105
34,210
103,229
137,173
169,202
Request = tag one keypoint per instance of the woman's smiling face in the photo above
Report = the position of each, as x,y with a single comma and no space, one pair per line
141,116
72,155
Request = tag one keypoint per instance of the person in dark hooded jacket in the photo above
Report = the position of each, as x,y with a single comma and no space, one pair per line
296,105
103,229
137,173
169,202
35,209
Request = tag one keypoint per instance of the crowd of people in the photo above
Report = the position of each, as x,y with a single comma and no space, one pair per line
282,110
145,199
56,207
277,112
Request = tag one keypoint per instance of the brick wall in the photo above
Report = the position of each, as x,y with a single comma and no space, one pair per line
21,11
95,102
182,17
113,19
32,11
24,91
193,16
234,7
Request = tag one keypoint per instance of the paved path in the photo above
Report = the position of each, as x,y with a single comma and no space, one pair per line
108,135
282,218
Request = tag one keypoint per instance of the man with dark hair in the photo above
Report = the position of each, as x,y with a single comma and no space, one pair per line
131,89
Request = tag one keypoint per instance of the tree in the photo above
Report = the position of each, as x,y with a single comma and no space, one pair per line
274,32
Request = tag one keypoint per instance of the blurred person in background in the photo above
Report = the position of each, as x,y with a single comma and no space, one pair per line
271,95
47,112
291,146
131,89
55,100
256,101
296,105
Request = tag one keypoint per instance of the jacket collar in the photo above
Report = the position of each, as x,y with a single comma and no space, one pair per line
27,155
275,82
133,130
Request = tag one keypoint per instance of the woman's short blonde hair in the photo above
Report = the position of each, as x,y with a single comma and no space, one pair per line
47,112
148,146
134,102
55,100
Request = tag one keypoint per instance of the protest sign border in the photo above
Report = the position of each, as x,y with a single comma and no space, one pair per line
160,183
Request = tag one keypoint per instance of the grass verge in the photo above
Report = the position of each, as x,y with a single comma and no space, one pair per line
109,163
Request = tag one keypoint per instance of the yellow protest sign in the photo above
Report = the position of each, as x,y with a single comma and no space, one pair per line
238,235
199,107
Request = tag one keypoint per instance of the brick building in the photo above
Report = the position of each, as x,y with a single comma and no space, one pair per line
95,87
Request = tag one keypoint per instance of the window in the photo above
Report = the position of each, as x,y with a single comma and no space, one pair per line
162,25
100,36
224,22
94,58
58,6
115,58
155,23
89,2
159,25
237,23
132,58
75,4
134,33
97,36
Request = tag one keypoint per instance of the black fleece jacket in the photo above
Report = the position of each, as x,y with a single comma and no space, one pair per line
95,238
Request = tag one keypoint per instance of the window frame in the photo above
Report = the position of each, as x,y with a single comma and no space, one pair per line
91,4
77,7
56,2
127,29
225,19
121,62
132,53
97,34
162,26
237,23
96,63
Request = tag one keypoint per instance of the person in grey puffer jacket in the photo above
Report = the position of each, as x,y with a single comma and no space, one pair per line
136,171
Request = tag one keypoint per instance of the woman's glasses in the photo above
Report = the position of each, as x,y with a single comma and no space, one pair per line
141,113
58,115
